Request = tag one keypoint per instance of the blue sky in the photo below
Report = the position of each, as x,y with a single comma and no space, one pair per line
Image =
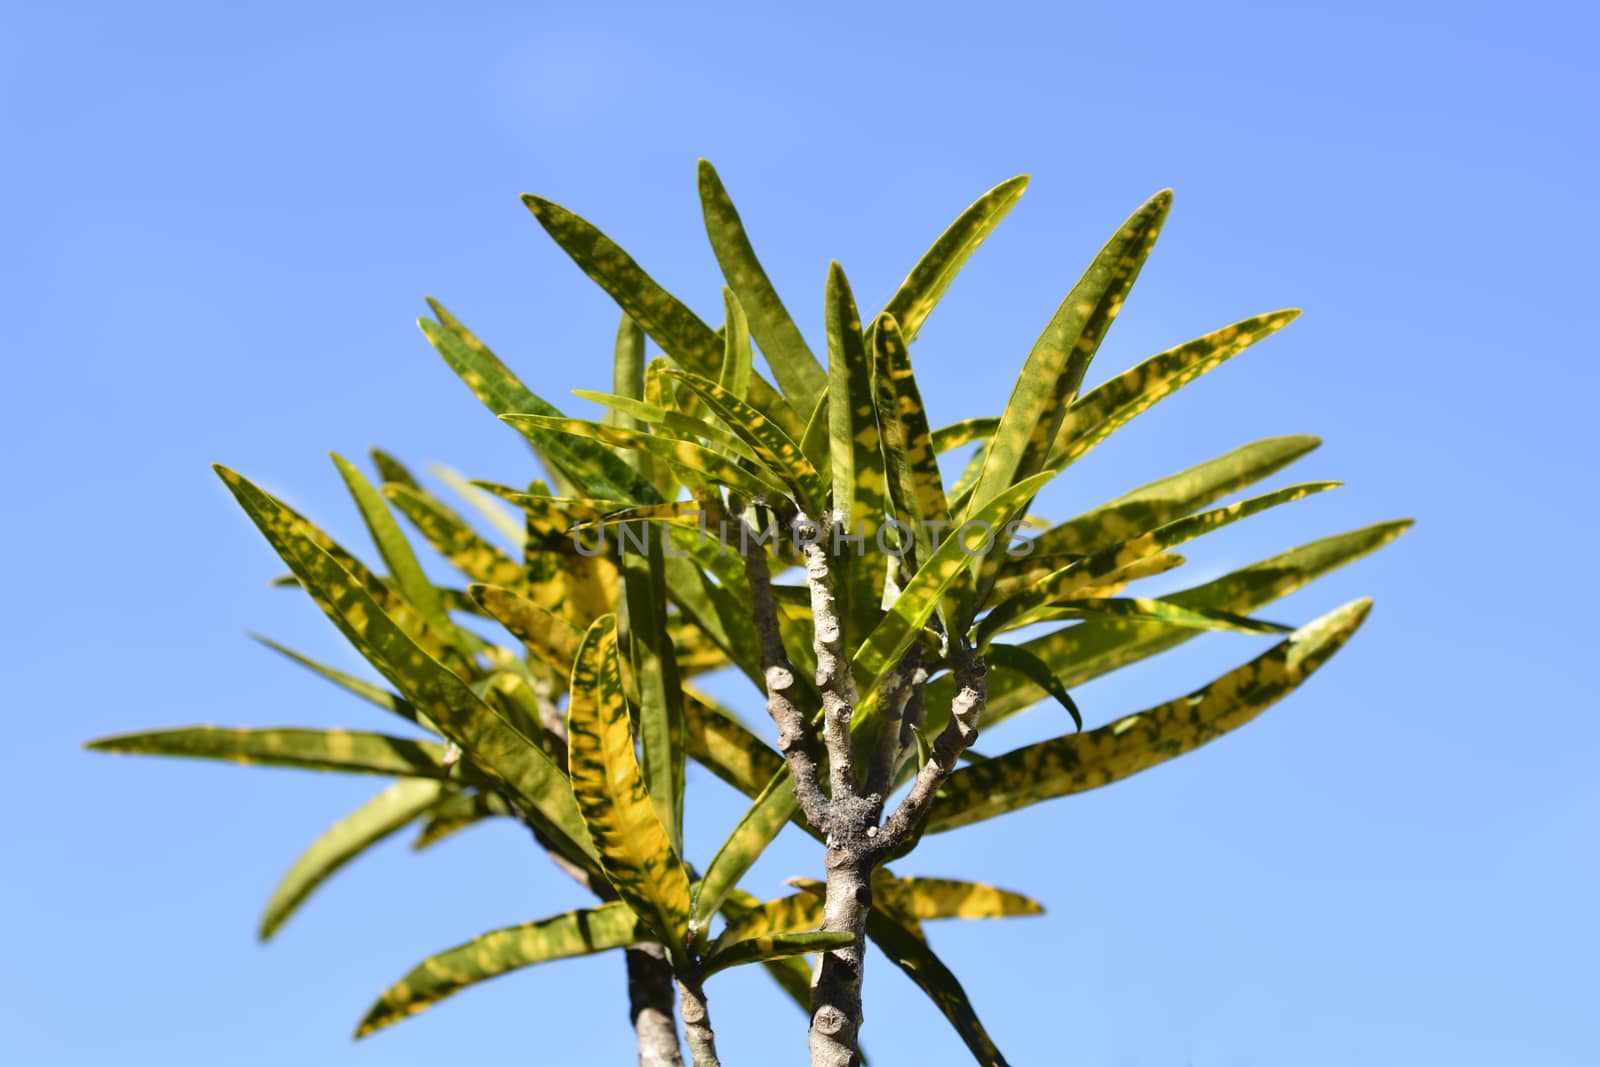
221,221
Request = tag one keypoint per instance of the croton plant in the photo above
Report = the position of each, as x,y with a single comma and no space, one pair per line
801,531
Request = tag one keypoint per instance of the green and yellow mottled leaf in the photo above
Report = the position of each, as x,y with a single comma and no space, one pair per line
390,811
910,447
1079,606
939,266
736,354
794,366
1079,762
964,433
924,899
785,915
455,540
684,455
672,423
723,745
774,946
1055,368
480,501
1110,406
1061,584
776,450
498,749
346,751
552,639
655,678
405,571
635,849
600,472
576,933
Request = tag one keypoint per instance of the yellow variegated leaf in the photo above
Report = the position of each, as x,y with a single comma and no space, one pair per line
685,455
726,747
785,915
1110,406
776,450
939,266
924,899
1060,584
548,636
498,749
773,808
1079,762
391,810
671,423
576,933
635,849
347,751
454,539
457,812
374,694
773,946
796,369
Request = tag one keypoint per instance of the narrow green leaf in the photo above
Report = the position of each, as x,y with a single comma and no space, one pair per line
774,946
792,362
600,472
1112,405
964,433
1080,606
1080,762
939,266
1019,659
776,450
576,933
914,461
481,502
672,423
455,540
1161,501
726,747
634,847
498,749
923,899
655,677
1086,571
685,455
915,605
391,810
736,355
908,951
760,826
552,639
785,915
374,694
347,751
1055,368
404,569
391,469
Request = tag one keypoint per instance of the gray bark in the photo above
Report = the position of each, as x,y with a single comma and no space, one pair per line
650,1006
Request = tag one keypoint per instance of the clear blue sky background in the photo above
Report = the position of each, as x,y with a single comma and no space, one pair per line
219,223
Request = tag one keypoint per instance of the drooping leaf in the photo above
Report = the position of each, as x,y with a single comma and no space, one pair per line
575,933
1112,405
1019,659
391,810
498,749
346,751
455,813
635,849
939,266
1079,762
796,369
726,747
908,951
